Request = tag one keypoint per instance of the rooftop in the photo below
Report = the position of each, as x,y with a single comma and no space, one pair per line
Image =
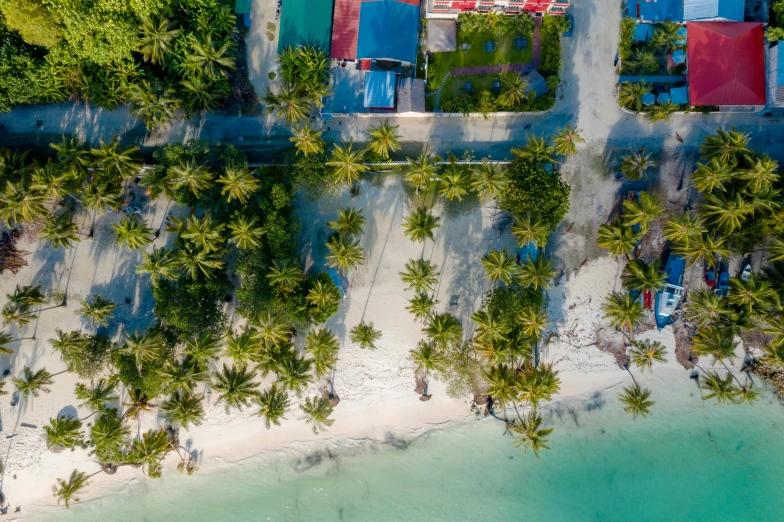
305,22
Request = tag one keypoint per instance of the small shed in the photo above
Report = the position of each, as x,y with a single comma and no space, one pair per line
680,95
441,35
411,95
776,75
380,89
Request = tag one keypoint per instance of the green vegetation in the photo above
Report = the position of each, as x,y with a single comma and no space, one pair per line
305,73
775,29
159,56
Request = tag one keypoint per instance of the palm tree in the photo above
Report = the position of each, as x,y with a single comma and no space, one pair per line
644,353
420,224
270,331
705,307
630,94
637,400
762,174
350,222
120,163
188,174
752,295
642,61
306,140
514,89
536,384
209,58
536,274
421,170
500,265
183,409
100,197
18,204
421,305
160,264
245,232
454,184
727,146
365,335
427,358
63,432
530,228
565,142
347,163
108,436
344,254
489,328
318,410
703,247
617,238
774,354
488,181
138,403
242,349
501,380
725,211
533,322
682,227
203,348
291,103
193,261
59,230
98,395
273,404
712,175
529,434
323,295
286,276
144,347
443,330
157,38
235,386
383,139
662,111
200,94
294,374
421,275
33,383
535,150
154,104
642,212
635,166
150,451
98,312
132,232
203,232
667,33
72,153
720,389
185,375
66,491
641,277
68,342
623,311
238,183
53,181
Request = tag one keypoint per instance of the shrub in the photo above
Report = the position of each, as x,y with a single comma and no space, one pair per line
88,361
533,188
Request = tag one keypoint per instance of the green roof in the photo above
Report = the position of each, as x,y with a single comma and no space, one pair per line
306,22
242,7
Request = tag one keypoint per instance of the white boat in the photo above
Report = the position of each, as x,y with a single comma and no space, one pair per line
668,299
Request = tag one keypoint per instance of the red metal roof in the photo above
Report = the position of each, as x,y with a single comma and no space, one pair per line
345,29
463,5
726,63
411,2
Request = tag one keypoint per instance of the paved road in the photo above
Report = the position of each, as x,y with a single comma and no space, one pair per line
586,99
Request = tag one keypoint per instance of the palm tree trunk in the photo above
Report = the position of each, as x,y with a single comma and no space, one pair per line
742,387
92,225
85,418
41,310
626,367
163,219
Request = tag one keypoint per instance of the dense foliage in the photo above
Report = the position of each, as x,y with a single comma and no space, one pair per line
158,56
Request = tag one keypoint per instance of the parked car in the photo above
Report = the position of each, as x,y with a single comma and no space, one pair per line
570,28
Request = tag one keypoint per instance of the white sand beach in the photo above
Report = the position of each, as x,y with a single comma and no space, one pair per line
376,387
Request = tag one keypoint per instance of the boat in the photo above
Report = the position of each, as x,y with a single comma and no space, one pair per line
668,299
745,274
710,274
723,287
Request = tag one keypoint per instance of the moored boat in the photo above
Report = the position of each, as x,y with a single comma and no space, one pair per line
668,299
710,274
723,287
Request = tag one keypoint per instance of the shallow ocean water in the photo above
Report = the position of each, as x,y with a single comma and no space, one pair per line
689,460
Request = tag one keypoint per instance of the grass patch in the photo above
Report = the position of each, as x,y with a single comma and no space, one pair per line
505,53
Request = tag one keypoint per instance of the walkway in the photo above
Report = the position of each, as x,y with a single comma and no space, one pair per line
438,92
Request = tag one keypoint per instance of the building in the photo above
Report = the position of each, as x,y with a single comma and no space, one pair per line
776,76
305,22
411,95
686,10
452,8
375,29
380,88
726,64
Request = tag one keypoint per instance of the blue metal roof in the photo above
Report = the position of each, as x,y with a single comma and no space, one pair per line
380,89
642,32
707,9
656,11
680,95
388,29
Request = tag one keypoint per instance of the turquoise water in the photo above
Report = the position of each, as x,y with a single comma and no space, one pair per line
688,461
